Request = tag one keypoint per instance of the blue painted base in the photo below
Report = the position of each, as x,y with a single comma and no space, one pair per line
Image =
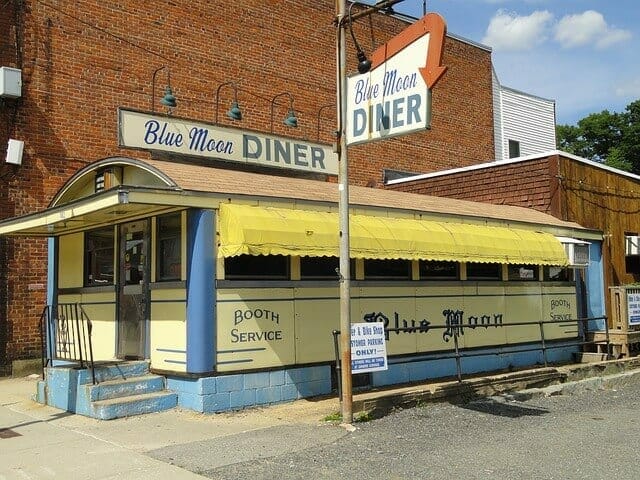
237,391
415,371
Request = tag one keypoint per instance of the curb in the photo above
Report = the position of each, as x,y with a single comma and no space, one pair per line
520,385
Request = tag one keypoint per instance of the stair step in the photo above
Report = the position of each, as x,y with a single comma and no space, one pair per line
121,370
123,388
133,405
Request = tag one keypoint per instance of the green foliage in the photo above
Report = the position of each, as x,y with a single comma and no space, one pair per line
611,138
334,417
363,417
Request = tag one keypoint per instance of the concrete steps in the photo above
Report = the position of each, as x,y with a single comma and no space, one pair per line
126,389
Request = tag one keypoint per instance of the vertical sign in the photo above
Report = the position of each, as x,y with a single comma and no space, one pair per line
394,98
368,347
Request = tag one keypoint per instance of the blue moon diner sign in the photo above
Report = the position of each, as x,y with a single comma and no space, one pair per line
394,97
143,130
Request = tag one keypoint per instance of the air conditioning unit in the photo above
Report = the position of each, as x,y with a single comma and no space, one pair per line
632,245
577,251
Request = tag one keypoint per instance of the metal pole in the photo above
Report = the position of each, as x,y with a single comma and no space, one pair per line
343,211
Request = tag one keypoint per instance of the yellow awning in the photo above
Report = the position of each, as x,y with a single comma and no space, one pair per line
252,230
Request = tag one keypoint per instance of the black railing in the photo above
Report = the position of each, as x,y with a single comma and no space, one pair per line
65,330
455,331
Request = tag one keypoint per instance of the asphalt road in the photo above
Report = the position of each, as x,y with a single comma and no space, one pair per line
588,435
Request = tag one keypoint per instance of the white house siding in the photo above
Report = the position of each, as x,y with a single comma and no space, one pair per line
527,119
497,116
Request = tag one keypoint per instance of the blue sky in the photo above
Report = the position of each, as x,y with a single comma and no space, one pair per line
584,54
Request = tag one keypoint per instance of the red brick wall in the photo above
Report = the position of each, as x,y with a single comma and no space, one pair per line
81,63
526,184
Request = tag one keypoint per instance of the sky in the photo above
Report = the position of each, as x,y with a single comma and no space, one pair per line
584,54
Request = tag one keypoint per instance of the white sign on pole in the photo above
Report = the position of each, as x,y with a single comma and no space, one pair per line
633,308
394,98
368,347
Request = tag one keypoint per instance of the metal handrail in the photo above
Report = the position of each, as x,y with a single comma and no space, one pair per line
66,333
455,330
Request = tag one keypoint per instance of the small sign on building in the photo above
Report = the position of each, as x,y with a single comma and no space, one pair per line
368,347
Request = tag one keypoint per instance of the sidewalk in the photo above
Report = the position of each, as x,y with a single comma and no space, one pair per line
41,442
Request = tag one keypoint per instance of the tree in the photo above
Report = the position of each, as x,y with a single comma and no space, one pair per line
610,138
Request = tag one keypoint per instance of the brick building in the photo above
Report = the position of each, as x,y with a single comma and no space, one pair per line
79,65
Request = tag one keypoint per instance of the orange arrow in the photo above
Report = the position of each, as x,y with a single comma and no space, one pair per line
434,25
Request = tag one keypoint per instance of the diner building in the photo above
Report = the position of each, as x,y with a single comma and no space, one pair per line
171,180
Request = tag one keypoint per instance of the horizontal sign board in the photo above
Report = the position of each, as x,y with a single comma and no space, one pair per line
186,137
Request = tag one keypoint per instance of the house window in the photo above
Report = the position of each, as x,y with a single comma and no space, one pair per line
387,269
484,271
257,267
98,257
523,272
169,247
437,270
514,149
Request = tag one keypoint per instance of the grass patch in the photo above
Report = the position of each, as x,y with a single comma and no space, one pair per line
334,417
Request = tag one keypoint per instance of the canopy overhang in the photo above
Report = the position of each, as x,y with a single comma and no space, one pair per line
258,230
105,208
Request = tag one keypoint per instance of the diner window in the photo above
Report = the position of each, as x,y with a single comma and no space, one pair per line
169,247
387,269
98,257
484,271
523,272
322,268
438,270
257,267
558,274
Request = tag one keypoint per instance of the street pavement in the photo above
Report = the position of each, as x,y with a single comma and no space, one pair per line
556,431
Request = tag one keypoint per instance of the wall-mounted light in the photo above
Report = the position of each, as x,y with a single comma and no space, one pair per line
234,112
291,120
364,64
168,100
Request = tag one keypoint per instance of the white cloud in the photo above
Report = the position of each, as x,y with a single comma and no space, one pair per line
629,89
508,31
586,28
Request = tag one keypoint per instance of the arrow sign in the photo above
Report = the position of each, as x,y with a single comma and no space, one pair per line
432,24
394,98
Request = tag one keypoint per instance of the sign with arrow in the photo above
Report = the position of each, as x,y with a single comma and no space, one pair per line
394,98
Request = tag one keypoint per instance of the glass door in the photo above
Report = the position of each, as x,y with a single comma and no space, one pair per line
133,290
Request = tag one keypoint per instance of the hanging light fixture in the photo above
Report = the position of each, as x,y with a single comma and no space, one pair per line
169,99
364,64
234,113
291,120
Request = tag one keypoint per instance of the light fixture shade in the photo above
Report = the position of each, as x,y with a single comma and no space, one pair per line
364,64
291,120
168,100
234,112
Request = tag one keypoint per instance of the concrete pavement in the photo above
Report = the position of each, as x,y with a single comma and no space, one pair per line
41,442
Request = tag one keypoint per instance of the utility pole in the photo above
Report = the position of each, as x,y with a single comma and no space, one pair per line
343,212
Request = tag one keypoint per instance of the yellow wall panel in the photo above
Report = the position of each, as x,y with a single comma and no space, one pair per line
304,320
70,260
168,329
254,331
100,307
